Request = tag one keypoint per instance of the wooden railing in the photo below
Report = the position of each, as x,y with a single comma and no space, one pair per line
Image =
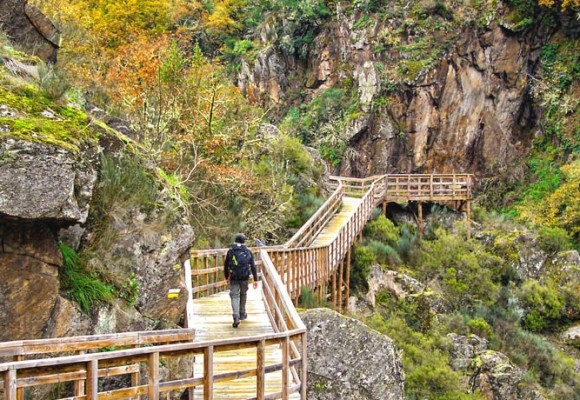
91,368
207,265
412,187
318,267
21,374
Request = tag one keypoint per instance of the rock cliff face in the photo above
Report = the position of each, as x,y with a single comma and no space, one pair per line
369,367
47,191
470,112
26,26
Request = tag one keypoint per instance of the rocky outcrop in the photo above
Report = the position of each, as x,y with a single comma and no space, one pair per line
488,372
401,286
495,376
39,181
369,367
26,26
471,112
465,349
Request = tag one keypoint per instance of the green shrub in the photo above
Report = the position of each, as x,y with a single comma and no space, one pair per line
542,303
384,254
426,360
480,327
80,285
554,240
309,300
362,260
382,230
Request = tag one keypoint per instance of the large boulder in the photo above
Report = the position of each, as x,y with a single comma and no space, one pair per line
347,360
29,28
41,181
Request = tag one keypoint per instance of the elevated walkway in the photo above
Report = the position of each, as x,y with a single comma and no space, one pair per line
264,358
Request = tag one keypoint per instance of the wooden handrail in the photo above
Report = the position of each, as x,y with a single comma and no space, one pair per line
38,347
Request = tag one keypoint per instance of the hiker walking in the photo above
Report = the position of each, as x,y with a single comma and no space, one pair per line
238,266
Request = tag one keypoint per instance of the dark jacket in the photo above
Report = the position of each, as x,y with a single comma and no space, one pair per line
229,265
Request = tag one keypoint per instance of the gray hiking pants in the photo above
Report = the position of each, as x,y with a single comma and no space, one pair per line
238,294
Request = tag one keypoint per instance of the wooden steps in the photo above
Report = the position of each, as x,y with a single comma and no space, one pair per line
213,320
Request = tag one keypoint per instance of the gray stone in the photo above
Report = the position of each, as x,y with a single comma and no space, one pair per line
40,181
465,348
348,361
495,376
26,26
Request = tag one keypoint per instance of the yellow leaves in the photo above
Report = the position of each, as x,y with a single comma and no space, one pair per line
562,207
574,4
222,18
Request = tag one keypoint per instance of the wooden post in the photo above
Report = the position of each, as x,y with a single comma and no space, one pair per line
208,373
420,212
10,384
153,384
468,218
260,371
348,275
304,372
285,366
385,207
92,379
20,391
79,386
340,283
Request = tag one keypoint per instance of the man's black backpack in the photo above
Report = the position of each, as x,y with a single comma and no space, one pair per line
240,263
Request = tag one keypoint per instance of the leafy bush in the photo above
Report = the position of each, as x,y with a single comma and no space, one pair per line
554,240
480,327
80,285
362,260
465,269
426,360
382,230
384,253
542,303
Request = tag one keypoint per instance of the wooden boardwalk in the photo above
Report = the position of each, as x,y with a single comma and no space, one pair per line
214,316
347,210
265,357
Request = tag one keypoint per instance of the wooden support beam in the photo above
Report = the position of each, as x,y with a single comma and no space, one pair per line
208,373
347,285
260,371
468,218
10,385
420,216
153,381
92,379
285,366
303,369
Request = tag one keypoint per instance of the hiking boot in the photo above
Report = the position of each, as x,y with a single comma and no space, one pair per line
243,316
236,323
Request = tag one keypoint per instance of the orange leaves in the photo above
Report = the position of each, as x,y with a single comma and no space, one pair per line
134,69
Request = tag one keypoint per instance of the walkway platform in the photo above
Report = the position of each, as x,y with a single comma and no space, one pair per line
213,320
328,234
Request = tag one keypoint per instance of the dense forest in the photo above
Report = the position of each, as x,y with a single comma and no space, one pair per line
229,159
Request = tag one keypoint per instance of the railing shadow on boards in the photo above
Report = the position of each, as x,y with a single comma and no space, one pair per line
207,265
90,370
15,383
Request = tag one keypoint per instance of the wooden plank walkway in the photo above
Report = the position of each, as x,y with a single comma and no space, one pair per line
328,234
213,320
